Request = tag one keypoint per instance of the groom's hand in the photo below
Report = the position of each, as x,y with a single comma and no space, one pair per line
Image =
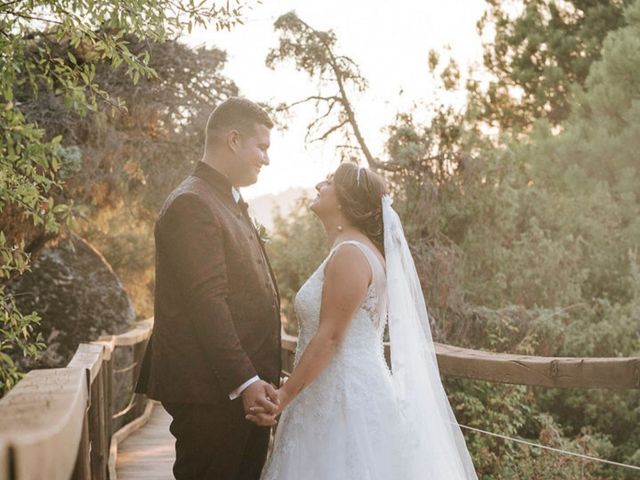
262,419
260,416
260,394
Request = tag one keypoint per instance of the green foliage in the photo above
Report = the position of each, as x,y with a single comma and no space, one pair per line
531,463
563,211
297,246
538,50
552,222
28,168
53,49
491,407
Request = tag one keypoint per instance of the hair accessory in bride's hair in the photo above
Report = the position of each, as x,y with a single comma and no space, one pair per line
360,169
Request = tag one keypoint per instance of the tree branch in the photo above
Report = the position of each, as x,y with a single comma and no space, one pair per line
374,164
317,121
310,98
330,131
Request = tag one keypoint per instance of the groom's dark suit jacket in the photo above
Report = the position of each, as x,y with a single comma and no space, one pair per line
217,308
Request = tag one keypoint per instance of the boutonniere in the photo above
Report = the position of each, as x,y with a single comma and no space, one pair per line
261,231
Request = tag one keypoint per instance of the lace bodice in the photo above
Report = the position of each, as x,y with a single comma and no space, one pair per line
369,321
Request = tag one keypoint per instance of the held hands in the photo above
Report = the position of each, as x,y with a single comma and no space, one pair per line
263,415
261,395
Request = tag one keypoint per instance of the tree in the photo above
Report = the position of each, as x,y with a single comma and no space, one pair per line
537,54
314,53
54,47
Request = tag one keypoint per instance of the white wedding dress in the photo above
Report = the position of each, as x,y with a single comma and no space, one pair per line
358,420
346,424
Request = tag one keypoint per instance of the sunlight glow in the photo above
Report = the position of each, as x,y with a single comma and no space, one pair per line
389,41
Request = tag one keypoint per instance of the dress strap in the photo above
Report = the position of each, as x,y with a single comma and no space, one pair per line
378,272
372,258
378,278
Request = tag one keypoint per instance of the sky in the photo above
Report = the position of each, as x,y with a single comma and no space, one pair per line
390,41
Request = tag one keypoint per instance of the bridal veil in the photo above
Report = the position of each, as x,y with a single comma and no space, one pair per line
436,446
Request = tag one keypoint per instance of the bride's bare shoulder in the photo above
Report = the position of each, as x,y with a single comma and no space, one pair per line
347,262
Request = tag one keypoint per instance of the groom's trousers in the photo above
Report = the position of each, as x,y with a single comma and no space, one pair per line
216,442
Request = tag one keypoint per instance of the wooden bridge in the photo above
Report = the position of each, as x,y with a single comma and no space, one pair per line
85,422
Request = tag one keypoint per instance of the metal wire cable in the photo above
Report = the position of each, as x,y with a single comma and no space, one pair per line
545,447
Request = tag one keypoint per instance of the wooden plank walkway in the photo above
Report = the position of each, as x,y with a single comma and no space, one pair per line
148,453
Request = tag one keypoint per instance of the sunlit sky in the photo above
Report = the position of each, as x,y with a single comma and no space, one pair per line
390,42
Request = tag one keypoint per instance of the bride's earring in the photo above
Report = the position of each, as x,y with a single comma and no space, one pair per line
339,228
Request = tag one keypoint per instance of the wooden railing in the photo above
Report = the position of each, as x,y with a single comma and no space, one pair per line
65,423
616,373
59,423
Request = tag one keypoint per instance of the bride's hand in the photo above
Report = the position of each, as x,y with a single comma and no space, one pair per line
284,398
260,416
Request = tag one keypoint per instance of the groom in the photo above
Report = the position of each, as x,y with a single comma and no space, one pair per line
215,348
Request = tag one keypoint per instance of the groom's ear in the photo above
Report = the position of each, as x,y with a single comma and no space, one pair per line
233,139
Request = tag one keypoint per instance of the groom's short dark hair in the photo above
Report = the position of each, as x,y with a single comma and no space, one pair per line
234,113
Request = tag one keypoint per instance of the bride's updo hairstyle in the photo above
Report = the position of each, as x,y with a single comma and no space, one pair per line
360,192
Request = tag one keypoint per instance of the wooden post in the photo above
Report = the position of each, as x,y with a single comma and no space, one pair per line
138,355
108,396
82,470
99,443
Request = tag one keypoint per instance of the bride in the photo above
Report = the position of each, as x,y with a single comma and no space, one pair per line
344,414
